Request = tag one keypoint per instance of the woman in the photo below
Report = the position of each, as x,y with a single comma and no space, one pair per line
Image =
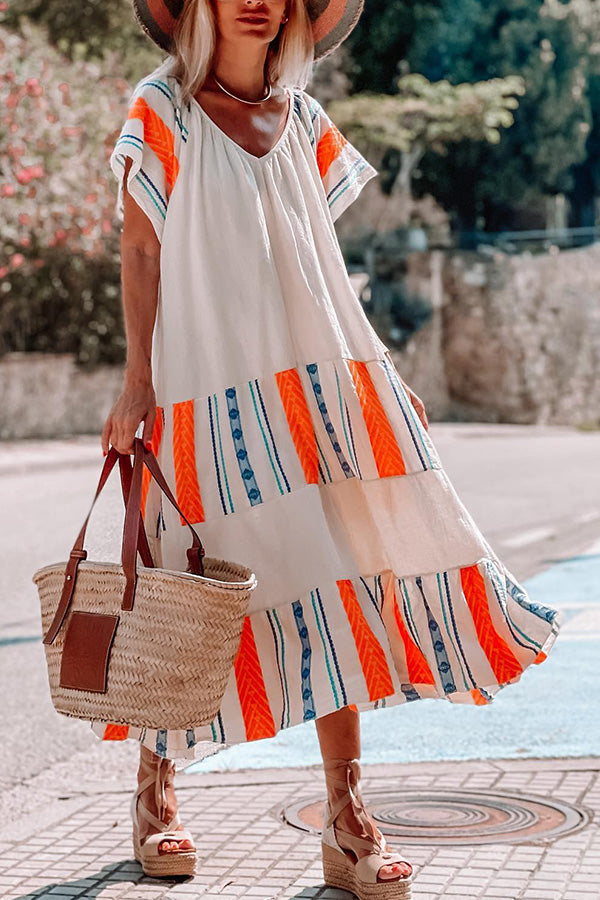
279,419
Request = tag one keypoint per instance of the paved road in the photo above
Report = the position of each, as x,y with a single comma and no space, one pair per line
535,494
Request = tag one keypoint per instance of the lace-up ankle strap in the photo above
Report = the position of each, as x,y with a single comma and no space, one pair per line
349,784
334,764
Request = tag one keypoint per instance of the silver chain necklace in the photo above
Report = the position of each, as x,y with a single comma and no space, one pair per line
241,99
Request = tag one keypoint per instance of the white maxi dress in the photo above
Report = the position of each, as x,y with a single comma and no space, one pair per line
290,441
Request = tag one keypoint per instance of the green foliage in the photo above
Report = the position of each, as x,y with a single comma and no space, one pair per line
479,39
423,114
59,270
553,45
73,307
383,37
586,175
88,30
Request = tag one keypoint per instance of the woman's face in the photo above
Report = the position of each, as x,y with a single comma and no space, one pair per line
244,20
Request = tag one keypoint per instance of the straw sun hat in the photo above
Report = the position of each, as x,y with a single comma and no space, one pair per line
332,21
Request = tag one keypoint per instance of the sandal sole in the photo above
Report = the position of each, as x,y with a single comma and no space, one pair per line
339,873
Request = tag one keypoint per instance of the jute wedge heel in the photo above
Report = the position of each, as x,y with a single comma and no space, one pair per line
154,863
343,868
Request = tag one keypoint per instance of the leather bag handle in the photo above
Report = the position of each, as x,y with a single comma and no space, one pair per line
125,469
130,546
132,513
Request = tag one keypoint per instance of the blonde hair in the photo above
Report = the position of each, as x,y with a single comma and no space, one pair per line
289,59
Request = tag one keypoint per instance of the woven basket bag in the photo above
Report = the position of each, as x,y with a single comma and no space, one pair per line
136,644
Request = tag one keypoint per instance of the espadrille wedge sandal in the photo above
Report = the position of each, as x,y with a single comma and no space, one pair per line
154,862
345,869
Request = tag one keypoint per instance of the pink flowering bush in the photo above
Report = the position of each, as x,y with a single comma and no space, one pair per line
59,241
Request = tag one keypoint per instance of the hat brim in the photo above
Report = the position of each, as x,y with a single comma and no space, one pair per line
332,21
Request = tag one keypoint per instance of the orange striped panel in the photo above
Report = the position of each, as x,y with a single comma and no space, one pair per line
155,440
370,652
115,732
187,489
418,667
387,453
329,147
478,698
258,719
299,422
504,663
158,137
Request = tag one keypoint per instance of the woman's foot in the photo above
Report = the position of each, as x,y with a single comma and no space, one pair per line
149,762
354,819
347,821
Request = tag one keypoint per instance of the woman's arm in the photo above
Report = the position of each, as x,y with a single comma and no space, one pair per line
140,272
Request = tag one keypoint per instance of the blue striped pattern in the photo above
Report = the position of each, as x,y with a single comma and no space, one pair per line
319,610
237,435
308,702
313,372
268,437
156,197
349,178
441,656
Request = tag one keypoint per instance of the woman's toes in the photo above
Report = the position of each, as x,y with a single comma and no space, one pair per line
387,872
172,846
395,870
168,846
186,844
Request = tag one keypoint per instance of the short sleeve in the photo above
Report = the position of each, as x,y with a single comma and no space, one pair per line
343,169
150,137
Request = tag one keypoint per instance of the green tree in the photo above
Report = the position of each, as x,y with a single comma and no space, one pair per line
472,40
383,37
424,116
586,175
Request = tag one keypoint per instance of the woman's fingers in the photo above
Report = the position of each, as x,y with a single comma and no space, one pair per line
106,433
149,420
420,408
133,406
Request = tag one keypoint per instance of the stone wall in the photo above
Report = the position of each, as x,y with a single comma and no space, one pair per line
47,395
517,338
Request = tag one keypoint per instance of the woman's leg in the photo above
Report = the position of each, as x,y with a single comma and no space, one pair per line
339,736
149,800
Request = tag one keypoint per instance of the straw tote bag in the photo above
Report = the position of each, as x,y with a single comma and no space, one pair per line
140,645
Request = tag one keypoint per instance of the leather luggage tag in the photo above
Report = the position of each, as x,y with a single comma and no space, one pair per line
86,651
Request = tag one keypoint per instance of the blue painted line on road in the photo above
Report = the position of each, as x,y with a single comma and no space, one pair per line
6,642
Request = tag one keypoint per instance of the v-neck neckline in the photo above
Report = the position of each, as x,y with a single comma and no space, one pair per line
247,153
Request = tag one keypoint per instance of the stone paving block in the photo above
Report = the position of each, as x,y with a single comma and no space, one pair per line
581,895
463,890
537,894
498,892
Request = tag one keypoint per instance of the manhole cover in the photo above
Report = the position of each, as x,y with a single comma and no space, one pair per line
456,817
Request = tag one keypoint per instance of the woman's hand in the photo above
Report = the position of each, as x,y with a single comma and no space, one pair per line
137,401
418,405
